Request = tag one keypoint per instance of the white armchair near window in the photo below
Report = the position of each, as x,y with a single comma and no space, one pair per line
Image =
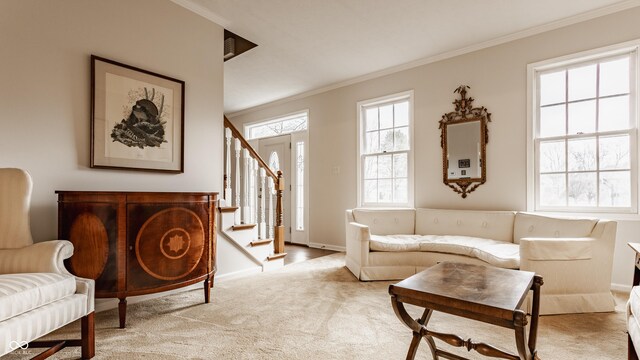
37,294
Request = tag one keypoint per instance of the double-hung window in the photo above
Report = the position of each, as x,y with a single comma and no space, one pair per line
585,133
385,151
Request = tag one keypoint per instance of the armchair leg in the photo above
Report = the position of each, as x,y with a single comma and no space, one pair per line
87,341
88,334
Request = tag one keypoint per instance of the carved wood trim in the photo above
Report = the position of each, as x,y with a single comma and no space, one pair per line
465,112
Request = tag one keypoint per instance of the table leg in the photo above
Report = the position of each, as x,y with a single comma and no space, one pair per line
413,348
418,326
535,314
520,326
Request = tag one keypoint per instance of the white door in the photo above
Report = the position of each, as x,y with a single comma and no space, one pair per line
276,152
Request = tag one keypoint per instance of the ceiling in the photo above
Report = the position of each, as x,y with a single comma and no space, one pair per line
305,45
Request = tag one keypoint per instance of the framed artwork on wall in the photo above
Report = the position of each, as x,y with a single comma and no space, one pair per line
137,118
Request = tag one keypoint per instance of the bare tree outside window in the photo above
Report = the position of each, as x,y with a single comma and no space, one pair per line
281,126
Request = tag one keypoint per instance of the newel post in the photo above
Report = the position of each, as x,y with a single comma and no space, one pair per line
279,231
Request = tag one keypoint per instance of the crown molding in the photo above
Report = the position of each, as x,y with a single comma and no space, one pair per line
607,10
204,12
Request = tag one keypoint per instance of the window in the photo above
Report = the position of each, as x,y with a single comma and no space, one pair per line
274,162
280,126
385,157
299,186
584,134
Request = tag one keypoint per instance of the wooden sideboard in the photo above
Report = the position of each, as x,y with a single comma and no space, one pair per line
136,243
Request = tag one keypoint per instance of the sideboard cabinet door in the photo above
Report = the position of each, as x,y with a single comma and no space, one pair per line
93,229
167,244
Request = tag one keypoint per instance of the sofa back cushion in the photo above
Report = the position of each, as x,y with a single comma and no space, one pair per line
387,221
530,225
496,225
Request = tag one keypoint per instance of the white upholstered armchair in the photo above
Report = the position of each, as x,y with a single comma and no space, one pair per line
37,293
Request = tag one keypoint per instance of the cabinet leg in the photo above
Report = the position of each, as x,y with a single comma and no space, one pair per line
122,312
207,290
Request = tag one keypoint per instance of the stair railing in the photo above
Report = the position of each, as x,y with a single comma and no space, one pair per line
244,194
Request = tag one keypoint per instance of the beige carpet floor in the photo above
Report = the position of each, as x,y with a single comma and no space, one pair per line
317,310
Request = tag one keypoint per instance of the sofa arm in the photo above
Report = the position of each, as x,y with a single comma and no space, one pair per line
557,249
45,256
358,237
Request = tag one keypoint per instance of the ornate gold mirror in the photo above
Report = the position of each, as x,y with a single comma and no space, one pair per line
464,140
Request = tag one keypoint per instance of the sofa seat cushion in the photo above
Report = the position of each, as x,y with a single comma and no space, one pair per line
20,293
395,242
497,253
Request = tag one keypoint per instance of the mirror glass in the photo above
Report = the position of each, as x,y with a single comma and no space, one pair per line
464,151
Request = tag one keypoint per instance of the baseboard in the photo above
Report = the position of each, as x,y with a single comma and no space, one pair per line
328,247
238,274
621,288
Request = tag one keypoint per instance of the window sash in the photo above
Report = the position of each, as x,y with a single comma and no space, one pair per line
391,178
631,131
406,196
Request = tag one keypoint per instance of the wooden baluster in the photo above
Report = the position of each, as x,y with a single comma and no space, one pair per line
256,190
237,148
250,191
262,228
246,211
279,231
253,199
228,197
271,192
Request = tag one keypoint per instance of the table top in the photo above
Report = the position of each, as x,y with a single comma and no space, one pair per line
635,247
468,288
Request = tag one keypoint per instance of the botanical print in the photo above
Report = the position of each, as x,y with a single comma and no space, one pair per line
144,125
139,120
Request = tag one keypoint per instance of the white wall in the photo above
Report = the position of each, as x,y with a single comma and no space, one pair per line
45,92
497,77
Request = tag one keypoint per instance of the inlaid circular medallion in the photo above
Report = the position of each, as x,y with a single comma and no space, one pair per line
175,243
170,244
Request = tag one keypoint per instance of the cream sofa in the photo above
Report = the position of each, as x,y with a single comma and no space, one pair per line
574,256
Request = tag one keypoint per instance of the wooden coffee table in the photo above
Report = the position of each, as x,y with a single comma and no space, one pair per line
481,293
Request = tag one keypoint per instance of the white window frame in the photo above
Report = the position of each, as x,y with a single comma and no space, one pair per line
247,127
582,58
361,105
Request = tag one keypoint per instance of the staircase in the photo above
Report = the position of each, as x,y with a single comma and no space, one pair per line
248,218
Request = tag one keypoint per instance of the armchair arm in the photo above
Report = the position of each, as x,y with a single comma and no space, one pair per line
556,248
45,256
87,287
